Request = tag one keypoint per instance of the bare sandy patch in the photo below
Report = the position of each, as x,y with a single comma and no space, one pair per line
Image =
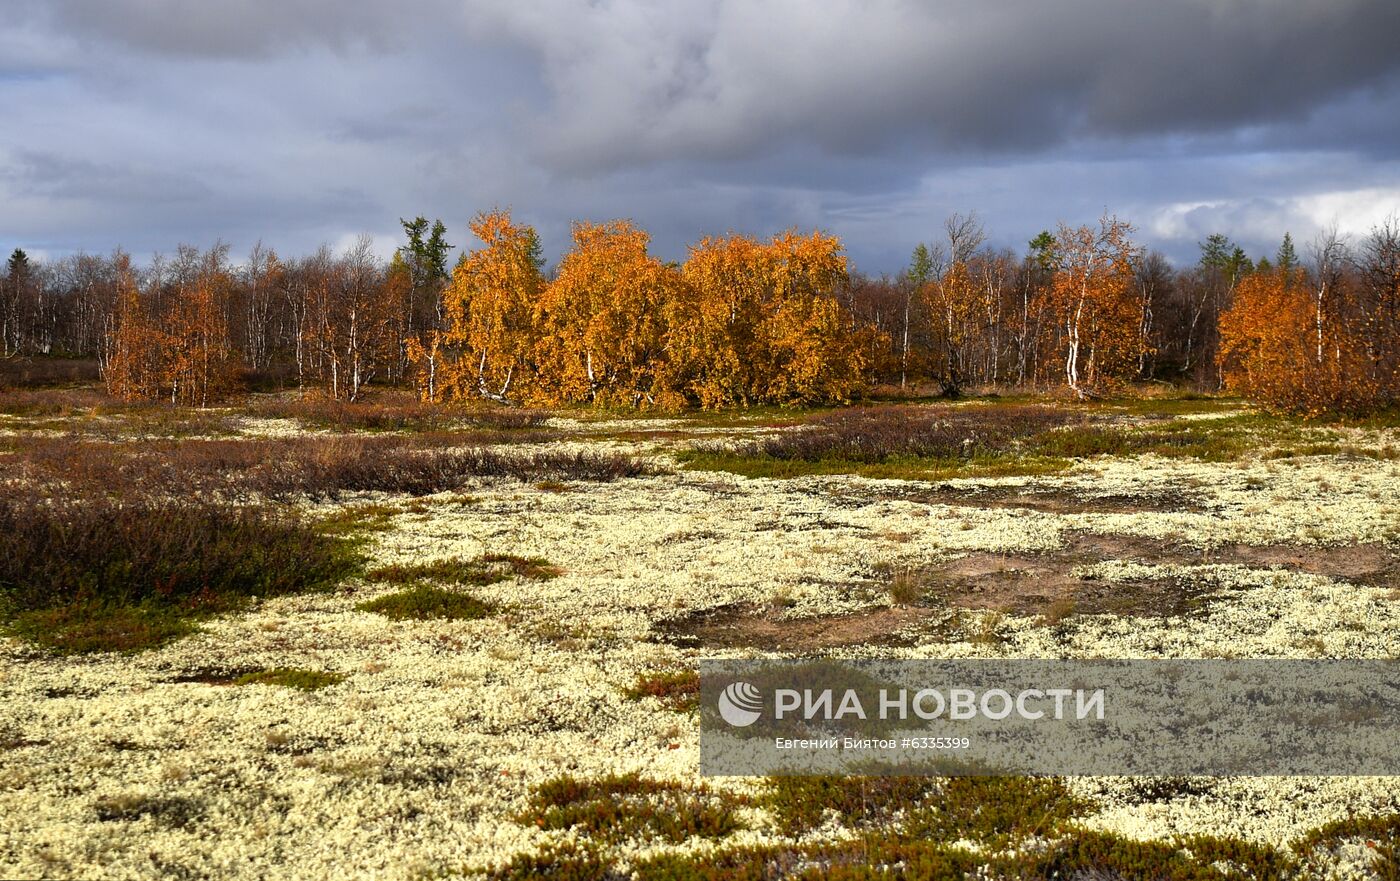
757,627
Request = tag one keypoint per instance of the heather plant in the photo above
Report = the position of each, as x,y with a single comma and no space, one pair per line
878,434
313,466
386,413
102,574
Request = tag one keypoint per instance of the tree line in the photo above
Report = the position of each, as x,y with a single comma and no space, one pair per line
741,321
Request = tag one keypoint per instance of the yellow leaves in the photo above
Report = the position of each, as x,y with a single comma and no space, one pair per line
741,322
604,318
490,311
763,325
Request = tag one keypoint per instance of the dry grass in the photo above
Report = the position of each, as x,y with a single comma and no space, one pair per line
907,586
390,412
32,372
282,468
879,434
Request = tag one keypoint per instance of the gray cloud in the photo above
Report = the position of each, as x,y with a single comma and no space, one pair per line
195,28
637,84
142,121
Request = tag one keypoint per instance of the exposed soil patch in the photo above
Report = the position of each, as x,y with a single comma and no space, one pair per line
1026,498
16,741
744,625
211,676
1369,563
1020,584
1043,585
1372,563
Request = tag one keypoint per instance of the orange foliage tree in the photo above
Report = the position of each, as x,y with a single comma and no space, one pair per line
132,343
742,322
174,346
760,323
490,309
1095,301
198,356
603,320
1278,347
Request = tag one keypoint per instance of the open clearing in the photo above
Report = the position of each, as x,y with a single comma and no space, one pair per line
521,708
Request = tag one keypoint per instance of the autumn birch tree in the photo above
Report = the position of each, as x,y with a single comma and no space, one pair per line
1093,296
490,311
603,319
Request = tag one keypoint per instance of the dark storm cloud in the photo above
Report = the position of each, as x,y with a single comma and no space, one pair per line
1019,75
309,120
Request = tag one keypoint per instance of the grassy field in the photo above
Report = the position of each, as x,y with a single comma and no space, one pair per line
291,639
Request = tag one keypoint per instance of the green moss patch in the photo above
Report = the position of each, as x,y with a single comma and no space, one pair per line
424,601
356,520
483,570
290,677
801,804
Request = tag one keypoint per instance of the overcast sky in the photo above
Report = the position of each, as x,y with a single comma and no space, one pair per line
145,123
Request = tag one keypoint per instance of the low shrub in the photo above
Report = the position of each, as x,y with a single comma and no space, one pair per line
878,434
678,690
391,414
926,442
37,402
872,858
483,570
1380,835
283,468
996,809
425,602
623,807
800,804
107,574
326,468
39,372
1222,441
566,861
1090,854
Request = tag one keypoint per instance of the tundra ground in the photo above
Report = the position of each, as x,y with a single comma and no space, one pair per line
501,685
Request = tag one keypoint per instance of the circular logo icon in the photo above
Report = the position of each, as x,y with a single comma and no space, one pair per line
740,704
